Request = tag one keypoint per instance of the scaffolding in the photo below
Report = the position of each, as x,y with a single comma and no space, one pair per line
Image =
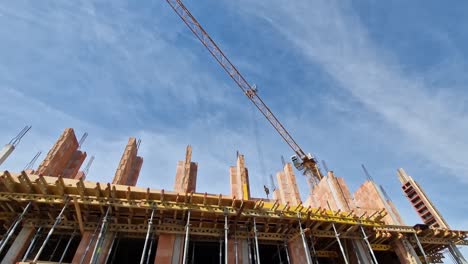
41,202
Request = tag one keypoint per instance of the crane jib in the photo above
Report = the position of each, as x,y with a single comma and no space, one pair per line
232,71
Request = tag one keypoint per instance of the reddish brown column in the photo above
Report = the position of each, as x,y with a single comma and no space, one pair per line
170,246
186,174
130,164
368,199
86,239
239,176
288,191
64,158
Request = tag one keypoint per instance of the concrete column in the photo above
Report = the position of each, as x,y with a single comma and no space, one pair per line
170,249
81,250
242,251
105,247
19,246
405,252
296,251
5,152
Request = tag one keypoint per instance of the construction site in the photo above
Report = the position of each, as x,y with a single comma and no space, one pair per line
52,214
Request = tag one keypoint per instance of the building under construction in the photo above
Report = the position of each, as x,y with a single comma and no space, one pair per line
52,214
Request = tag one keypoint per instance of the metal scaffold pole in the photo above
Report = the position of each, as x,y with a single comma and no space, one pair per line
31,245
369,245
93,236
97,247
187,230
150,225
339,243
56,247
287,252
220,250
236,248
111,247
304,242
150,250
313,248
421,248
66,247
15,225
57,221
257,253
226,230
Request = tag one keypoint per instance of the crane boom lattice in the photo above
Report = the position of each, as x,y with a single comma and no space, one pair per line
250,91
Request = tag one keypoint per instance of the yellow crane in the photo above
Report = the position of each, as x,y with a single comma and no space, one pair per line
302,161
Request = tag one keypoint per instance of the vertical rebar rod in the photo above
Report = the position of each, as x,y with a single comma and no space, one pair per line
421,248
151,249
111,247
287,252
97,247
15,225
33,241
66,247
57,221
304,242
56,247
226,229
257,253
150,225
339,243
187,229
369,245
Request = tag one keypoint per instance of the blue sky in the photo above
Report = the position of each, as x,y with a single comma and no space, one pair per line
374,82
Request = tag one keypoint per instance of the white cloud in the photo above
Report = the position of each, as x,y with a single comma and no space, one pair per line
328,33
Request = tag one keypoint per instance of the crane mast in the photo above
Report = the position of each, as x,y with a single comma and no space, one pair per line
301,160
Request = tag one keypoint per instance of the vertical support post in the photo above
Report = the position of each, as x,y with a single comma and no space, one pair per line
110,248
236,249
304,242
421,248
56,247
15,225
151,249
287,252
31,245
313,248
57,221
115,251
220,250
97,247
187,229
279,254
89,244
257,253
66,247
226,229
339,243
150,225
369,245
249,247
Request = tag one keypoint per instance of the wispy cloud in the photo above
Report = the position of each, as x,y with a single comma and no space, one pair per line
330,34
